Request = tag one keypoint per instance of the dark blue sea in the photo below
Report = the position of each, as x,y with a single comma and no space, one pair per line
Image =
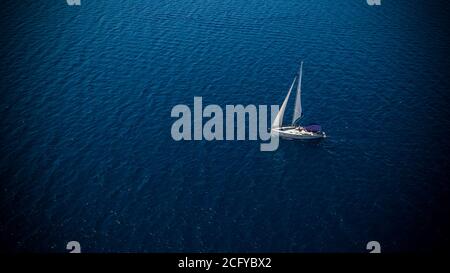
85,131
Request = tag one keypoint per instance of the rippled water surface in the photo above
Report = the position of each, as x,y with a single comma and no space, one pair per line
86,152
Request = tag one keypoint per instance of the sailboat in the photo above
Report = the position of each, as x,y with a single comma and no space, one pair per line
293,131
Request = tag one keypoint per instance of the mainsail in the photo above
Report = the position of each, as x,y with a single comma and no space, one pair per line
298,100
279,118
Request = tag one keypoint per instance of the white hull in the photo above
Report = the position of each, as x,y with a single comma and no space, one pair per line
291,132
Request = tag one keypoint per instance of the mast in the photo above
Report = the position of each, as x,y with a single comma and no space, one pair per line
278,121
298,100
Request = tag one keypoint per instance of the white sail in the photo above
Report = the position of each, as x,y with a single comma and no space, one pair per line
298,100
279,118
